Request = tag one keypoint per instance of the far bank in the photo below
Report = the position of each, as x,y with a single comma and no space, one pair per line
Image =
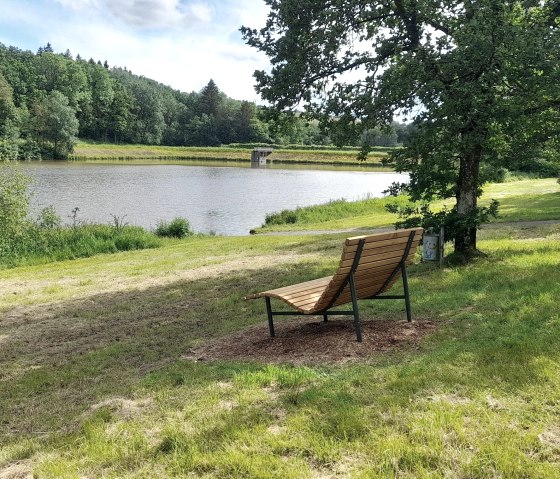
284,155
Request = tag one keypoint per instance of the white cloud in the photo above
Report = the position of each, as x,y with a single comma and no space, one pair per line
77,4
158,13
179,43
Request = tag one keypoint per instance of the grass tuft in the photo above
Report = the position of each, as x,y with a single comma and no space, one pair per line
38,245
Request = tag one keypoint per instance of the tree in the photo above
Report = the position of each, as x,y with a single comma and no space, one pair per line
478,77
210,99
56,72
149,123
55,125
120,112
8,126
6,103
246,124
96,107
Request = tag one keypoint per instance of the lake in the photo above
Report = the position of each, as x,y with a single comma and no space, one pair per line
224,200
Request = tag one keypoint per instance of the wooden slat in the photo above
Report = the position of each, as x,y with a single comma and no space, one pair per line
303,289
306,301
381,273
377,265
366,282
298,286
373,264
362,279
374,256
374,284
382,236
368,277
377,237
369,249
349,251
303,306
295,295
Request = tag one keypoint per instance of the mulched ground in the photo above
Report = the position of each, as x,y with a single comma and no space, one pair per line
311,341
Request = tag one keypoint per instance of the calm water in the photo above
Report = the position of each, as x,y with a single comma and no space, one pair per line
224,200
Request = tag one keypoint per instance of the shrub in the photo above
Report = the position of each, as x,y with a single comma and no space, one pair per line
177,228
14,204
282,218
48,218
26,242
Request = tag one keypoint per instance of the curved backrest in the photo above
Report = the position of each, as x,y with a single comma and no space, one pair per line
376,269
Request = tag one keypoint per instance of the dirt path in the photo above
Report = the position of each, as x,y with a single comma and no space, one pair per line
360,231
103,283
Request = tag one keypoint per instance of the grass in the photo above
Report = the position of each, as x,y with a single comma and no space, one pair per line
37,245
315,156
336,214
92,352
524,200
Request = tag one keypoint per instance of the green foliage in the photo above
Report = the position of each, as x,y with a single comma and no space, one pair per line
113,104
42,244
478,79
55,126
14,205
517,198
176,228
285,217
8,122
25,242
48,218
8,149
449,219
333,210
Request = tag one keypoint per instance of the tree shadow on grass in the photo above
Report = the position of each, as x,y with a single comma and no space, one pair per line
60,360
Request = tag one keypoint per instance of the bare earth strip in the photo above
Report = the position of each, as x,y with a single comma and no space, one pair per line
113,308
362,231
105,283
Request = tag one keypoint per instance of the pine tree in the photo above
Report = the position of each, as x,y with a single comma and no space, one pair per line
210,99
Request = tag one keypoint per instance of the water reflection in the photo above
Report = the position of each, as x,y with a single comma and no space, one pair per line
223,200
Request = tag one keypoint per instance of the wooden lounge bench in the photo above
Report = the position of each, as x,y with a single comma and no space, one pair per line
369,266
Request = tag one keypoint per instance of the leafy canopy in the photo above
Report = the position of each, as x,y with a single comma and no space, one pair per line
477,77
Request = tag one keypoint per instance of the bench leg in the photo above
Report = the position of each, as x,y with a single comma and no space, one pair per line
269,314
357,324
406,293
325,318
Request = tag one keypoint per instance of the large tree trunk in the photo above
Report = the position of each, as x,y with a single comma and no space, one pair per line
467,195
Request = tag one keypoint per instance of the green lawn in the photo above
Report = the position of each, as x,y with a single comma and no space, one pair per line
95,382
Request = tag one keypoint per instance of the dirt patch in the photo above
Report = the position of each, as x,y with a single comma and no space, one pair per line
124,408
551,437
305,341
18,470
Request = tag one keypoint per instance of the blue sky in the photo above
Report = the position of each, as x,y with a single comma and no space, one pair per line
182,43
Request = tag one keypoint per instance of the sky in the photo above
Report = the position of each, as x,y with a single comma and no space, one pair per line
181,43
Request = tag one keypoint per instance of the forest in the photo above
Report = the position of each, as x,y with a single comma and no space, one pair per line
49,99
